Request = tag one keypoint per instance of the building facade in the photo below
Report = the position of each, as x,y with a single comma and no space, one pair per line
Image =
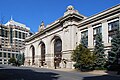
53,45
12,36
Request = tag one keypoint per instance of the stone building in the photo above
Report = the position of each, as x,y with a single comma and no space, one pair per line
12,36
53,44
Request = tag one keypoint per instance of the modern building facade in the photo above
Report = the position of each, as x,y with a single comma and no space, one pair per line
53,45
12,36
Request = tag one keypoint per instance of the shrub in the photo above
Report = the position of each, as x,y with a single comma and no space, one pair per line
12,60
84,58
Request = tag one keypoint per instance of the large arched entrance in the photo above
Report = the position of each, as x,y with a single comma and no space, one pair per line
33,54
57,52
42,54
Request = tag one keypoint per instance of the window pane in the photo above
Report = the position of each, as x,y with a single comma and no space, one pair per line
109,27
20,35
8,55
4,54
12,55
0,54
0,60
23,35
16,34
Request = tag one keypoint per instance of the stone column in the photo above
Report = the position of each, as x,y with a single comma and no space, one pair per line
90,36
105,32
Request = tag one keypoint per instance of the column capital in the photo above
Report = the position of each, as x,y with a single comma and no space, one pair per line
103,21
89,25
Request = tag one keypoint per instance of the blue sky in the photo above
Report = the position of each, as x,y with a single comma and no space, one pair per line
33,12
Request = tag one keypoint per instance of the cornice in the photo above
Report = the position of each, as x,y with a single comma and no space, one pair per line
54,25
73,15
47,29
101,15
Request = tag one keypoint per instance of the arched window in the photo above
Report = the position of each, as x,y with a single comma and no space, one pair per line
57,46
57,52
42,54
33,54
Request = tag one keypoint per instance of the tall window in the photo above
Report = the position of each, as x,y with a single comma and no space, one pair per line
42,54
13,55
16,34
84,38
8,55
58,46
33,54
112,27
57,52
5,55
84,34
20,35
23,35
96,31
26,35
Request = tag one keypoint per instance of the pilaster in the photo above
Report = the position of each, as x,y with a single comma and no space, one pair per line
90,36
105,32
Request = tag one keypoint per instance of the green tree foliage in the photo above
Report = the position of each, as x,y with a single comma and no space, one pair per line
12,60
99,52
115,51
83,57
20,59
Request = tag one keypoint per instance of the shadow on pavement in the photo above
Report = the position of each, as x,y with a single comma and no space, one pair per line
102,77
1,67
26,74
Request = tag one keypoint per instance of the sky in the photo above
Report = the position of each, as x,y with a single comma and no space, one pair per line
33,12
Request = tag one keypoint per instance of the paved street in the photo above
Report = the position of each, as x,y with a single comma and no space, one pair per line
28,73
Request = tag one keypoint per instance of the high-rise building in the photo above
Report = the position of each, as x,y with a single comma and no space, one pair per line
12,35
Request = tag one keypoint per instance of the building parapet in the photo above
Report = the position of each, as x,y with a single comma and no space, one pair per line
101,15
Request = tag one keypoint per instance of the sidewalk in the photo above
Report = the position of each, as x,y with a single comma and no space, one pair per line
98,72
62,69
95,72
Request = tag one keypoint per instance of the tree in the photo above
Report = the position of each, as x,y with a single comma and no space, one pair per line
20,59
83,57
12,60
99,52
115,51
